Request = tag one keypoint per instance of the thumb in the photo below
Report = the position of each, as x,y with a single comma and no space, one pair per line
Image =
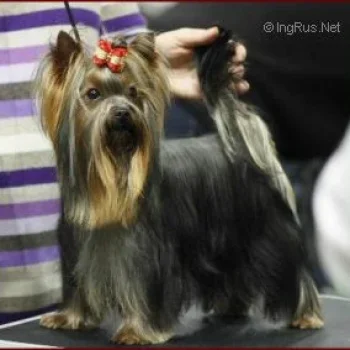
191,37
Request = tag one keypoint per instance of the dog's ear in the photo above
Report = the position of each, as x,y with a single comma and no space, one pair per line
64,51
144,45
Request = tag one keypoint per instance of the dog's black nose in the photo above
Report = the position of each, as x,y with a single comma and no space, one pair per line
120,120
122,115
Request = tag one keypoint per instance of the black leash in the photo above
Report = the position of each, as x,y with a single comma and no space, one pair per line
71,19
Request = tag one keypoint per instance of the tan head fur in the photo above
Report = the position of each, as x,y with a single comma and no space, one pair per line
105,127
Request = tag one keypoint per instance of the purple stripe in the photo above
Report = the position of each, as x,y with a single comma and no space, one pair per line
28,177
29,256
17,108
29,209
48,18
124,22
22,55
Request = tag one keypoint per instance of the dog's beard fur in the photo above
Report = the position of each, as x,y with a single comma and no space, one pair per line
163,221
108,169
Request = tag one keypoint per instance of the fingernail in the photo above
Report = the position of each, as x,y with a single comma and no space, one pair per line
215,28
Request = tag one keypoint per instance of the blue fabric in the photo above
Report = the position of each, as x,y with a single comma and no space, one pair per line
179,123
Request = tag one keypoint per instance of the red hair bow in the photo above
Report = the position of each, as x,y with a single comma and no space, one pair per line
110,55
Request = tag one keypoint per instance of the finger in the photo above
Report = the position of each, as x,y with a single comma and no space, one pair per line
193,37
240,53
237,71
241,87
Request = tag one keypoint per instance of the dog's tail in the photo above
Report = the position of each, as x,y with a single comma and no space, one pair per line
239,127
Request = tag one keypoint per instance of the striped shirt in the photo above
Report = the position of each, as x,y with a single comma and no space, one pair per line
30,280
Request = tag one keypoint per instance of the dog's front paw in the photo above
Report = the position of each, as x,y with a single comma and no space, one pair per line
65,320
308,322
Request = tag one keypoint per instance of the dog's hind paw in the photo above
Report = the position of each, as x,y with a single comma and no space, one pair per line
65,320
308,322
128,335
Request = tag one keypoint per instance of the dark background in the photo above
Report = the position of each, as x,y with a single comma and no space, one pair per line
300,82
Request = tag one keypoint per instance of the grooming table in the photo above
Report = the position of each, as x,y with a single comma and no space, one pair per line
214,332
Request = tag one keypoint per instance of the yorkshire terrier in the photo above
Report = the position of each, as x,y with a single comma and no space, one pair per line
149,226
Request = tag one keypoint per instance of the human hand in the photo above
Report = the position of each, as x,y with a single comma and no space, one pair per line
178,48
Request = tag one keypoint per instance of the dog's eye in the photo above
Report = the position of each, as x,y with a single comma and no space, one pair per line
93,94
132,92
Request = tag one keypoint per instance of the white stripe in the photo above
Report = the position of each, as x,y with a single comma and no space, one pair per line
30,193
129,32
154,9
28,226
114,9
19,161
44,36
14,8
19,125
15,73
107,10
34,286
24,143
16,273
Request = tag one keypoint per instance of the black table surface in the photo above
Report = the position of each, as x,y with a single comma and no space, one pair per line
213,332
